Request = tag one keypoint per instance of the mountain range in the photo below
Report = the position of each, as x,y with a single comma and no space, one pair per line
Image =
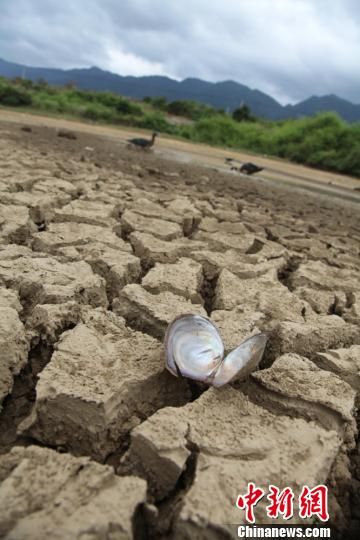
226,95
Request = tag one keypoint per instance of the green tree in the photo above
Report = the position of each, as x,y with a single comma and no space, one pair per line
243,114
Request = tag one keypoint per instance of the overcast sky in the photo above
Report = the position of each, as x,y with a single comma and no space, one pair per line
289,49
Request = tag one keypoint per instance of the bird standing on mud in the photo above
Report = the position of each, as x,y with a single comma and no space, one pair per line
144,144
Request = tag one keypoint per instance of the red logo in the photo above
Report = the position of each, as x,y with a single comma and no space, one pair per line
248,501
281,502
314,502
311,502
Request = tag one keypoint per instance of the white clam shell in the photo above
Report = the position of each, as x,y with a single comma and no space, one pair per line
194,349
242,360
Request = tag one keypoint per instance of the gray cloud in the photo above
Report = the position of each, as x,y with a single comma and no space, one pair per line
287,48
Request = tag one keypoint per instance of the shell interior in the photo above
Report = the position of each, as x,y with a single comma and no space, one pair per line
242,360
194,349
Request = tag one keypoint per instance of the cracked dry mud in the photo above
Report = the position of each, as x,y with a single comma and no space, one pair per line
99,250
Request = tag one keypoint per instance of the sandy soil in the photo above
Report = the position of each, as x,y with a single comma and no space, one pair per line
100,248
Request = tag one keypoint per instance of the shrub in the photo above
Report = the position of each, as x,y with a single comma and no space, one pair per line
97,112
157,102
40,84
226,132
243,114
190,109
24,83
156,122
126,107
14,96
349,162
46,104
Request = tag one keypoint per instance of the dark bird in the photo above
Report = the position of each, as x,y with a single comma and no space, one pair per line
143,143
250,168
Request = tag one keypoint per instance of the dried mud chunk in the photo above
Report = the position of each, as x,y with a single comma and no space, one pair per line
117,267
17,180
237,325
337,302
41,206
265,294
345,244
41,280
318,275
90,212
60,235
154,210
350,310
15,224
223,431
263,250
152,312
165,230
159,451
321,334
101,381
48,321
205,208
152,249
310,246
13,349
183,278
44,494
191,217
183,206
212,225
9,299
322,302
254,214
242,265
55,186
228,216
344,362
222,241
11,252
279,232
295,386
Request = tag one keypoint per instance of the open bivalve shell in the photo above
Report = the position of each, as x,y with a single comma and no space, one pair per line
194,349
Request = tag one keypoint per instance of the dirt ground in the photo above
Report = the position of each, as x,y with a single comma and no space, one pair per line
276,171
101,246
